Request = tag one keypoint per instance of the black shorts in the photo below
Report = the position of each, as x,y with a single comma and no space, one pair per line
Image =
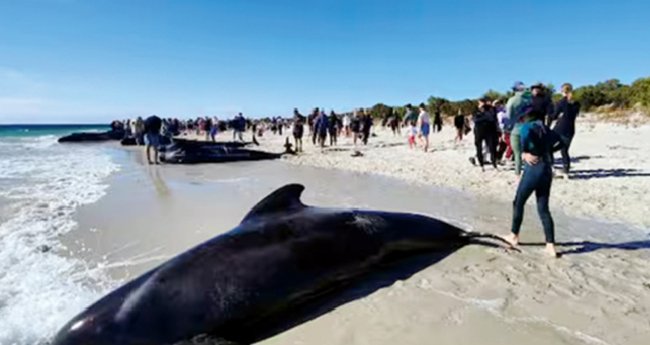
297,132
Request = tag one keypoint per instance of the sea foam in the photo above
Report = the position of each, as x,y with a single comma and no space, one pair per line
42,183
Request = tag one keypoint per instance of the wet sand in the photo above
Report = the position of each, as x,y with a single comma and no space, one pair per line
597,293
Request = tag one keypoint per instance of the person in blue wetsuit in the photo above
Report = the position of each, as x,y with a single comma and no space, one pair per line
537,142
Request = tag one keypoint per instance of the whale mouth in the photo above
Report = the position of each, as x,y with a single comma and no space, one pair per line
496,240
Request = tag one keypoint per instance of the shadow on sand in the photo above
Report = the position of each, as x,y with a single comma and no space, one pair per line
604,173
588,246
558,160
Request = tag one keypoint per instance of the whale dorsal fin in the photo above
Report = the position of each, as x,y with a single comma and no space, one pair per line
284,198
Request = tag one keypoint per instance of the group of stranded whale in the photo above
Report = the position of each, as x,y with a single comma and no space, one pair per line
183,151
277,267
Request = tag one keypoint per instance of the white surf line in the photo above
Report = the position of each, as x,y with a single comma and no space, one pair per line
120,249
491,307
136,260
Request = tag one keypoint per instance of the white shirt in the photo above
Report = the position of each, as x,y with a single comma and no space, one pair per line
424,118
503,118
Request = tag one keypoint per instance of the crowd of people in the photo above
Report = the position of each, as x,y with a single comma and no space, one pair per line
321,125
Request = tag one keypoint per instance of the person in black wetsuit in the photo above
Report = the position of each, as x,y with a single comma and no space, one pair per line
542,103
537,141
393,121
459,123
311,122
334,124
566,112
152,126
486,130
437,120
355,126
366,125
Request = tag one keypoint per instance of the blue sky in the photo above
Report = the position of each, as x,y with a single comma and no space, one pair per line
92,61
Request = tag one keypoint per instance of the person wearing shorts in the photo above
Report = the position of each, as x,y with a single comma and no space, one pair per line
424,125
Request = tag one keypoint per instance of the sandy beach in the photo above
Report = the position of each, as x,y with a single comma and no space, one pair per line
597,293
610,174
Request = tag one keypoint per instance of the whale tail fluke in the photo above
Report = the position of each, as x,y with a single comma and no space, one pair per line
477,238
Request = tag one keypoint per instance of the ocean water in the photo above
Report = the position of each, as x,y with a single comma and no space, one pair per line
42,183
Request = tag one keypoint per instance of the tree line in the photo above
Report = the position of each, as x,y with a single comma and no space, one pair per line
611,93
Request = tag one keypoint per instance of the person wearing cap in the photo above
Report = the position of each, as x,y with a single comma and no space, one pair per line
514,127
536,143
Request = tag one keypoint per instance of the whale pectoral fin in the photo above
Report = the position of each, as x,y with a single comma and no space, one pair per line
284,198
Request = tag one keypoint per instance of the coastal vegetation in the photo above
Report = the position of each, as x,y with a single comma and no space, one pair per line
610,96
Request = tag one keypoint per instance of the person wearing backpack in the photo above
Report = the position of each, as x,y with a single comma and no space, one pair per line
520,100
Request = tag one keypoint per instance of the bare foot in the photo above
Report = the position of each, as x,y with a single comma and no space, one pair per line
511,238
550,250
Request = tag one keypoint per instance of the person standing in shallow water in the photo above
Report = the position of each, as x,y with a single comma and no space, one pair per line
152,126
536,144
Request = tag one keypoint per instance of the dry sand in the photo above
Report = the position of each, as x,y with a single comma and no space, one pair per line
610,176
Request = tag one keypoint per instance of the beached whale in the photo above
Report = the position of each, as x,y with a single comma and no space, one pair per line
256,280
165,141
92,136
131,141
194,152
